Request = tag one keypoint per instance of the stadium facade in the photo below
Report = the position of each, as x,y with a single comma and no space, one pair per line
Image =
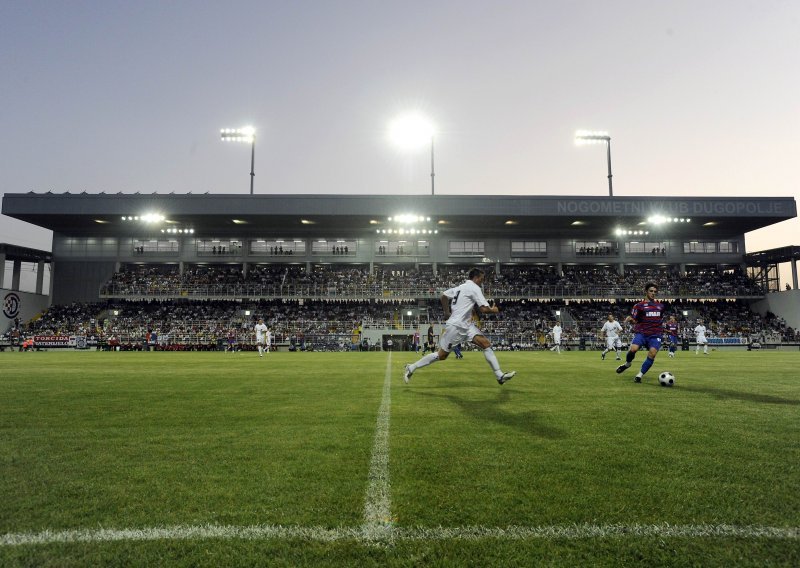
95,234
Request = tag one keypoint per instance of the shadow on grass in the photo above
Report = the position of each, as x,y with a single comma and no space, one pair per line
736,395
528,422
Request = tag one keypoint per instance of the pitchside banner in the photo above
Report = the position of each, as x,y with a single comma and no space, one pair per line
55,341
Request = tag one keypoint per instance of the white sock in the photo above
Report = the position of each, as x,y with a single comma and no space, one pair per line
491,358
425,361
260,350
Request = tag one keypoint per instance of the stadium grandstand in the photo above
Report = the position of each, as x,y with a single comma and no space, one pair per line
178,272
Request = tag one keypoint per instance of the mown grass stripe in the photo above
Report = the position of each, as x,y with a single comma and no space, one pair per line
324,534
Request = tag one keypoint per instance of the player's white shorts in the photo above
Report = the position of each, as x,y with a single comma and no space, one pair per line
454,335
702,340
613,343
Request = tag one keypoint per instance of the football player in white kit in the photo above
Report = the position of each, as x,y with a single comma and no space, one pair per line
263,337
700,338
612,329
556,331
458,304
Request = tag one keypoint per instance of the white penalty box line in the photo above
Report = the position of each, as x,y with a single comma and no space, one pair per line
466,533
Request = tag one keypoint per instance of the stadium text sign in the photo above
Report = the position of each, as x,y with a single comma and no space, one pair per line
704,207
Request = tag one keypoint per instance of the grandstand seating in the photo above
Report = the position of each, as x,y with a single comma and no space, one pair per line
357,282
326,323
322,306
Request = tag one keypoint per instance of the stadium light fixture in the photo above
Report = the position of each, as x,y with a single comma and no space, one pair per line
583,137
660,220
245,134
412,131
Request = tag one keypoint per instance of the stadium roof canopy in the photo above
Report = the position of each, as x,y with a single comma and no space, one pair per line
311,215
773,256
24,254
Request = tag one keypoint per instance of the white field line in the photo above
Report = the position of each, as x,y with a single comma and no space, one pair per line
323,534
377,502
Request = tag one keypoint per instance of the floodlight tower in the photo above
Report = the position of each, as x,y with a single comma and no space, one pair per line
412,131
586,137
246,134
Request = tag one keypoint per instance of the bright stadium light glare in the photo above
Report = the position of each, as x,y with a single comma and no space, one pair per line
152,217
411,131
244,134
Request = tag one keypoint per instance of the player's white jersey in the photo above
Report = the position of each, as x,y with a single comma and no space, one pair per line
463,299
700,333
557,333
261,331
612,329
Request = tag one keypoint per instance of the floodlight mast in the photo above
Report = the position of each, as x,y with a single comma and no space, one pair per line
585,137
432,172
246,134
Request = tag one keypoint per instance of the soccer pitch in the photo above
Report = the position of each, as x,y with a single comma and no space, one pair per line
329,458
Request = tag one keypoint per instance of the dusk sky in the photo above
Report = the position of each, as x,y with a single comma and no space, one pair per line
700,98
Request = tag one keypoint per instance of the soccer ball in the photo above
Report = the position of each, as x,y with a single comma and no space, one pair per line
666,379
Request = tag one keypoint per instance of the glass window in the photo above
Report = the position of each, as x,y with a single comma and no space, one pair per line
528,248
277,247
696,247
466,248
335,247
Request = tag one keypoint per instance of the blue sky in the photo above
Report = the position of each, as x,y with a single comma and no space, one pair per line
700,98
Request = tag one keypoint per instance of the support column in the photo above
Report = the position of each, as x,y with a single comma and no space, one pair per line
794,274
15,275
52,283
244,270
2,270
39,276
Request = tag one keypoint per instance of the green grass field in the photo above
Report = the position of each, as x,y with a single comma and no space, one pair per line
310,458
